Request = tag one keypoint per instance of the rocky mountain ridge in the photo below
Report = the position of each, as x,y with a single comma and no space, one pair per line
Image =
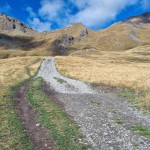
143,18
73,39
12,24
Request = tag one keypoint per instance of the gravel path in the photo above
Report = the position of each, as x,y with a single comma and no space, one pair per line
58,82
105,119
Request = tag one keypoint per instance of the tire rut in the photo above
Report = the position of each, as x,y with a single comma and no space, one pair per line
35,132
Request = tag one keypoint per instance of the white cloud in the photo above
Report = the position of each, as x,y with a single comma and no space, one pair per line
31,12
39,25
92,13
5,8
145,4
50,9
97,12
35,22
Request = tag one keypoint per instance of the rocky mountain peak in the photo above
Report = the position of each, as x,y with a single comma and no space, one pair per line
12,24
143,18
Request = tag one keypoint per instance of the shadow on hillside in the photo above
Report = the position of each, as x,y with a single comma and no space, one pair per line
58,50
23,39
138,60
19,42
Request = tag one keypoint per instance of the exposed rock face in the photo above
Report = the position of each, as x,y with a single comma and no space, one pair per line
12,24
66,39
83,33
61,49
62,42
143,18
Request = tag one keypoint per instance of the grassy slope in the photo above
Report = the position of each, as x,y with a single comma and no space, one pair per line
115,38
129,69
113,63
12,71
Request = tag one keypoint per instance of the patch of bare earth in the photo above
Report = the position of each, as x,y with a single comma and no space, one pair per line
36,132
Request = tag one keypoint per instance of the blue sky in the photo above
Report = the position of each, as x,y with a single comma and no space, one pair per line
44,15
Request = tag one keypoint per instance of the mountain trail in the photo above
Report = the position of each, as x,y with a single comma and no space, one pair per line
105,119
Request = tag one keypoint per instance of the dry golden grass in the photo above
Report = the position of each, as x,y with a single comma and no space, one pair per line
118,69
13,70
15,53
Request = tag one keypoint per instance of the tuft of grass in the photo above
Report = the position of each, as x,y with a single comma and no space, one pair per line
139,99
61,81
97,104
136,145
119,121
63,130
141,130
129,95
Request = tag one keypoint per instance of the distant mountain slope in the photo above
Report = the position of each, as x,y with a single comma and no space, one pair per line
17,39
11,24
143,18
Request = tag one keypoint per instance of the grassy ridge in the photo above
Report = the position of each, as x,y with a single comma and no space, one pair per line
63,130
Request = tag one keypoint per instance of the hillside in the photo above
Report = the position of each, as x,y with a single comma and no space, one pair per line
10,24
99,80
74,38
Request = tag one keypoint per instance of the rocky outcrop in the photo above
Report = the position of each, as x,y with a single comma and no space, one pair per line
11,24
66,40
62,42
83,33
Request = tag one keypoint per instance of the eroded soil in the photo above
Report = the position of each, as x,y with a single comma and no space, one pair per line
36,132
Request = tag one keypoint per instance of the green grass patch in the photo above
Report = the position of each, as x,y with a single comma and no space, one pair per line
96,104
119,121
63,130
12,134
141,130
61,81
129,95
138,99
136,145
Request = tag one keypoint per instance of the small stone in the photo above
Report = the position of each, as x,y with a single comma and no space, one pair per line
37,125
105,133
142,142
109,142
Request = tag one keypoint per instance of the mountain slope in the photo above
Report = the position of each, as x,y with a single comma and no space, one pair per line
11,24
141,19
16,40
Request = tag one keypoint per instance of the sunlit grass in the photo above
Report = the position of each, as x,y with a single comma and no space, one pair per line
116,69
14,70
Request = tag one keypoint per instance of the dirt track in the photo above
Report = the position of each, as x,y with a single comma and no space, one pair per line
36,133
105,119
